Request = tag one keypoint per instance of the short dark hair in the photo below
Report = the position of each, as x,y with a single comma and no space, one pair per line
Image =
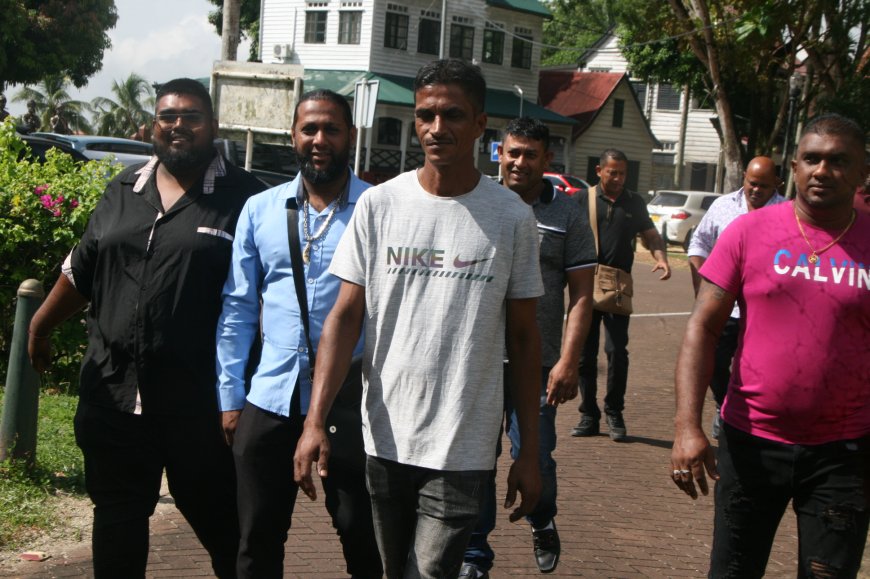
835,124
529,128
186,86
326,95
614,154
458,72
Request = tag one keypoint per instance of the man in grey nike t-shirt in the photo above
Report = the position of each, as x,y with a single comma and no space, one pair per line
438,262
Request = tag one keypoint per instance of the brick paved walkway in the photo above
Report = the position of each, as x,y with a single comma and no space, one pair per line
620,514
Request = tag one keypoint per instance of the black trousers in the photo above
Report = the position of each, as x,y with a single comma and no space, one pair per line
263,449
615,348
125,456
725,349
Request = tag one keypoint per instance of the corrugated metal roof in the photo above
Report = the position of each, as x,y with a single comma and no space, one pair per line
527,6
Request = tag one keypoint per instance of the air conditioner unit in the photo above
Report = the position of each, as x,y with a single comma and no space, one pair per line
283,51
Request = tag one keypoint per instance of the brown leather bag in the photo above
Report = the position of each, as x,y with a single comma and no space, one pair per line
613,286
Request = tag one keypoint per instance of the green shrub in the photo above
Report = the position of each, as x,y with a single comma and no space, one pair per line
44,209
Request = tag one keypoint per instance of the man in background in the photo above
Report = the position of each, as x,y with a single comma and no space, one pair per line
567,256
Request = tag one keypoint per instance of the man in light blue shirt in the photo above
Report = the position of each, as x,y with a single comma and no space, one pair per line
260,296
759,190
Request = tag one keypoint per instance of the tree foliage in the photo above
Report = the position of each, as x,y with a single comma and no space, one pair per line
742,52
39,38
575,27
44,208
52,97
122,117
249,23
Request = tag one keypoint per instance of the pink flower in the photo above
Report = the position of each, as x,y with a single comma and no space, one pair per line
56,212
74,203
40,189
46,201
59,199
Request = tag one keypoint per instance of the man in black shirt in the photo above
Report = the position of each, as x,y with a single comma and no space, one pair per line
621,215
151,264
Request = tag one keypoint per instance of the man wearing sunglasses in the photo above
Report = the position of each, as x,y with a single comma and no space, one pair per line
151,266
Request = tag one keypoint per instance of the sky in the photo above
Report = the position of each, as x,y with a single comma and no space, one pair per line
159,40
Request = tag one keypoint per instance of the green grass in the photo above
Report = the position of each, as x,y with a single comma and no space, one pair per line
26,505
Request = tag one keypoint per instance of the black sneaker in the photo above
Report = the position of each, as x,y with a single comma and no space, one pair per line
472,571
587,426
547,548
616,425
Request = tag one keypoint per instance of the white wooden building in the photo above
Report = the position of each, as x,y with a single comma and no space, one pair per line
340,42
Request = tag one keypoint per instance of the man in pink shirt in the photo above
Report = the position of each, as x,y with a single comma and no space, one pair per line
797,413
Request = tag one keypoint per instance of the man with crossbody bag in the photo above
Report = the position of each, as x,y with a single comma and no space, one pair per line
279,278
616,215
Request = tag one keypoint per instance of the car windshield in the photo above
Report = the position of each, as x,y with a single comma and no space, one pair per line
669,200
574,181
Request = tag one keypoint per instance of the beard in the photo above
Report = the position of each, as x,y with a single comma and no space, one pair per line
334,170
182,160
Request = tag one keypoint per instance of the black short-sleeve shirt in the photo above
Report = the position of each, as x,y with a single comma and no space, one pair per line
619,221
154,284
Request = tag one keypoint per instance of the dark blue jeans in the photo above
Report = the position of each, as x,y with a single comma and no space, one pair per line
616,349
828,487
479,552
423,517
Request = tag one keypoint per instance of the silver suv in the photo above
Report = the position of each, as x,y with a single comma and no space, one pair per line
676,214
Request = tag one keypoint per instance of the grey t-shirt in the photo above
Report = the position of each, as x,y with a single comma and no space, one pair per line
566,244
437,272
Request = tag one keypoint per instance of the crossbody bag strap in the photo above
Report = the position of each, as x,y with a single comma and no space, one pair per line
593,215
298,271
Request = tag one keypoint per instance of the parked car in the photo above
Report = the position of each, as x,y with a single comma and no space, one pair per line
676,214
39,146
567,184
273,164
126,151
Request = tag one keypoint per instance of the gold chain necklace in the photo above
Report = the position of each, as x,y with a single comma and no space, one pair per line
814,255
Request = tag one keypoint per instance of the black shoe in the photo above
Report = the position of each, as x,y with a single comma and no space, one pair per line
472,571
587,426
547,548
616,425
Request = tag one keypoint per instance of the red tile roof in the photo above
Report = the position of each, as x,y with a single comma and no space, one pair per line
579,95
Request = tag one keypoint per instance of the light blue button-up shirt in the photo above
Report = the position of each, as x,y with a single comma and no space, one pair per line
261,270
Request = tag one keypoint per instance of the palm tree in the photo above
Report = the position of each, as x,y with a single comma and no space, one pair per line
122,117
51,97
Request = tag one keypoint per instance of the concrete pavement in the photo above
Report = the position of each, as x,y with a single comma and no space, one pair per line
620,514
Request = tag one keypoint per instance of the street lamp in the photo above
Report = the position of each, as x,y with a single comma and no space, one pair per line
519,92
795,87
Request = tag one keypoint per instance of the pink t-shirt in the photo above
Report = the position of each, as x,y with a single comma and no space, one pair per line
801,373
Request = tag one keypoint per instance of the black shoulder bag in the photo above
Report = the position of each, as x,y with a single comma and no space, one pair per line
344,423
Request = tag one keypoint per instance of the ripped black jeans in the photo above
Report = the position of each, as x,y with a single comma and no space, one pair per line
828,485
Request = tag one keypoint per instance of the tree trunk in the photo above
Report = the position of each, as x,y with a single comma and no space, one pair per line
230,31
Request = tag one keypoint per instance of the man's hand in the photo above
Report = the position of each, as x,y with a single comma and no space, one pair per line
665,267
313,446
229,421
524,476
39,350
690,457
562,384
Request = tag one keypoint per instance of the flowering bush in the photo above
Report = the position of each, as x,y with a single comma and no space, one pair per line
44,208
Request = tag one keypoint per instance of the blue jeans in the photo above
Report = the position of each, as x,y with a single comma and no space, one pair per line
828,487
479,552
423,517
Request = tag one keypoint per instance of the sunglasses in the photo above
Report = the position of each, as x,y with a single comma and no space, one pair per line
168,120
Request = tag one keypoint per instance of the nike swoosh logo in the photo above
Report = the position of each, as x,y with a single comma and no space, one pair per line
459,264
